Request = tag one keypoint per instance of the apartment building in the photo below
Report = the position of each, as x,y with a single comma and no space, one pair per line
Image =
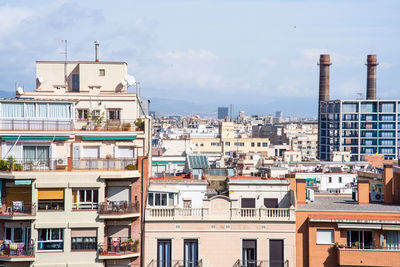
341,231
187,224
228,142
74,160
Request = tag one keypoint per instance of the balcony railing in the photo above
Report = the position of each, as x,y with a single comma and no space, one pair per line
103,164
261,263
49,164
176,263
109,125
118,207
24,210
120,248
176,213
10,250
382,256
36,125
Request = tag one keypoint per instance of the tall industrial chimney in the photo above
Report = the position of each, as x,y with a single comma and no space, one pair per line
324,64
96,50
371,77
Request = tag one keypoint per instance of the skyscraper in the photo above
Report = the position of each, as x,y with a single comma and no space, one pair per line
222,112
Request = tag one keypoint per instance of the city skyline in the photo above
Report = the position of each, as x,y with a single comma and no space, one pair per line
254,58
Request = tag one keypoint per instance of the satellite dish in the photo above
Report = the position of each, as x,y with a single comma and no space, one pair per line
40,78
20,90
131,80
124,82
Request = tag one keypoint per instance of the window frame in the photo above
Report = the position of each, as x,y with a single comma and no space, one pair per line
85,205
83,243
116,114
49,235
318,242
102,72
83,114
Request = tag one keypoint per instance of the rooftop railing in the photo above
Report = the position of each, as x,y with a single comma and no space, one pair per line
176,213
36,125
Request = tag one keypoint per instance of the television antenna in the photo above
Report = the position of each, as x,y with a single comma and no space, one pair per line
65,63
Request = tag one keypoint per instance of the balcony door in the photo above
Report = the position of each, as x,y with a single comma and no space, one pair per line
36,156
191,253
164,253
276,253
249,253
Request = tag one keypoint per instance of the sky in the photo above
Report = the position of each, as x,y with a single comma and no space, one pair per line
191,56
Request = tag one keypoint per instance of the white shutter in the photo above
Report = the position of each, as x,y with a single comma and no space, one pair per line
91,152
115,151
101,152
324,236
118,193
125,152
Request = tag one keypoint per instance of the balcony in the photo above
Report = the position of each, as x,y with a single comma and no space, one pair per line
178,263
368,257
36,125
109,125
235,214
64,164
260,263
118,210
24,212
17,252
121,250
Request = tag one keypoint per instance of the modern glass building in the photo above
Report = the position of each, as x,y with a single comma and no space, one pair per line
222,113
362,127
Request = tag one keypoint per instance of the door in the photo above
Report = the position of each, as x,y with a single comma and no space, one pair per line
248,207
164,253
91,152
249,253
190,253
75,82
276,253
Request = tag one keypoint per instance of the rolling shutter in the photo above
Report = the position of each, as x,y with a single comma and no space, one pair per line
118,231
84,232
118,193
50,193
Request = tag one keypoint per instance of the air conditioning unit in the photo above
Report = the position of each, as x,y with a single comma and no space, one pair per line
376,197
61,162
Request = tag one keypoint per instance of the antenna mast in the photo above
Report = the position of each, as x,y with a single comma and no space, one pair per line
65,64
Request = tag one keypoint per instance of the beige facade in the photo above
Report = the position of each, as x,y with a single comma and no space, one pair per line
71,181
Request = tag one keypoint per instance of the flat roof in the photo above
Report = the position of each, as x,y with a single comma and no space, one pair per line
82,62
345,203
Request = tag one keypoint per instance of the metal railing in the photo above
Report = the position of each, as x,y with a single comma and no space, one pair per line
103,164
123,247
109,125
25,210
175,263
36,125
118,207
16,250
261,263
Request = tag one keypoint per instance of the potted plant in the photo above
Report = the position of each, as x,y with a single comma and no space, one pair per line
126,126
139,123
97,119
136,245
11,161
84,127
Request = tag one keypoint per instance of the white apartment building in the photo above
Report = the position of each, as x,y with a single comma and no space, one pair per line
253,226
73,158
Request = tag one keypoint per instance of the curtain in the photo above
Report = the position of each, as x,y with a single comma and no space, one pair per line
42,110
42,152
59,110
30,110
29,153
393,240
12,110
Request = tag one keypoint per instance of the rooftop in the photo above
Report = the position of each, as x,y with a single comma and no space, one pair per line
83,62
345,203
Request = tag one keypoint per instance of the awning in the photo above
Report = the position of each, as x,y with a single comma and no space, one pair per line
359,226
34,137
391,227
50,193
168,161
101,138
23,182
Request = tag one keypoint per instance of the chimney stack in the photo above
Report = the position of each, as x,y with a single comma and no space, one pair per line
324,64
96,50
371,77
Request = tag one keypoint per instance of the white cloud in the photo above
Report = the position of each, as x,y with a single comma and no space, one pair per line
12,17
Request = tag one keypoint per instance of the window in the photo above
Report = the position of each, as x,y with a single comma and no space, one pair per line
359,239
227,143
83,114
164,253
85,199
265,144
102,72
330,180
386,107
190,253
114,114
350,107
51,199
36,156
160,199
50,239
75,82
393,240
340,178
83,239
252,144
324,236
214,144
18,234
248,203
249,248
271,202
258,144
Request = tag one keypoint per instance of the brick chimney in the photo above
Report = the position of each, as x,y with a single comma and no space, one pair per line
388,183
301,191
363,191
